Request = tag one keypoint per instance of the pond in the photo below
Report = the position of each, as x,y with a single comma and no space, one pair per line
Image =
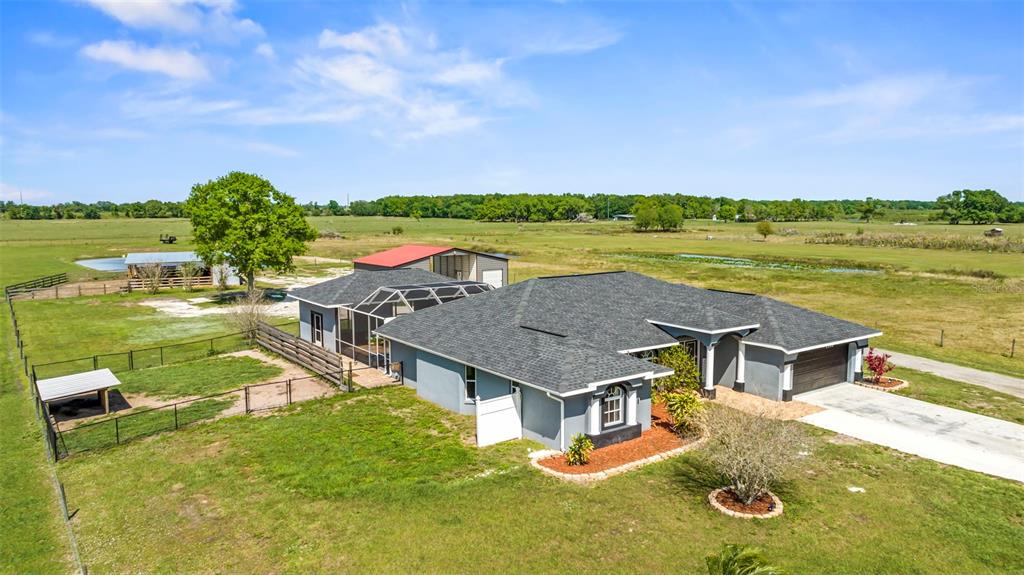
104,264
749,263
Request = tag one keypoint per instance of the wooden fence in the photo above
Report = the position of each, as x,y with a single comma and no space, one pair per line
171,281
314,358
38,283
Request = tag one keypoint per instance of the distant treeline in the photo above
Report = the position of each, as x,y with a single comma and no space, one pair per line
552,207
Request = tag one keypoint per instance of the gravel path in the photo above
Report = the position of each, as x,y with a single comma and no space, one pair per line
997,381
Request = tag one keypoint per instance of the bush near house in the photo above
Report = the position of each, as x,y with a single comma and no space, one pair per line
579,450
687,410
878,364
686,376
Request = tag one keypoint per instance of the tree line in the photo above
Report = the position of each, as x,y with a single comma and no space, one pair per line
665,211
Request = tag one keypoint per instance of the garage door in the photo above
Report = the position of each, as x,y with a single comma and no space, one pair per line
493,277
818,368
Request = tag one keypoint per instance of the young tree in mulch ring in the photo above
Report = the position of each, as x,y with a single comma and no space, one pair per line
687,411
579,450
740,560
753,452
878,364
686,376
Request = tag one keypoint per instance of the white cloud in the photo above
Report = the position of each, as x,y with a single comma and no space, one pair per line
885,92
266,50
380,40
272,149
470,73
357,73
48,39
214,19
159,107
179,64
12,193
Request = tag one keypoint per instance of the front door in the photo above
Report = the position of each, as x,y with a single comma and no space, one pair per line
317,323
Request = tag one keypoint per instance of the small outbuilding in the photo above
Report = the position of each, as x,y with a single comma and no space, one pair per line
97,381
455,263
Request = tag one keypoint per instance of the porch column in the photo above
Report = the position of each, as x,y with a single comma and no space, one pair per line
741,365
631,405
851,362
787,382
709,372
595,416
858,364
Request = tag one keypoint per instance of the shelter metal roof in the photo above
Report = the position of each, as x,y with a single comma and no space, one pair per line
142,258
76,384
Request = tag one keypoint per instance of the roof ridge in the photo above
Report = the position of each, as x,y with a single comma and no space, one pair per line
522,301
581,275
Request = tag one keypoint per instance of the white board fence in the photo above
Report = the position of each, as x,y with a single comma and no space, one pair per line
498,420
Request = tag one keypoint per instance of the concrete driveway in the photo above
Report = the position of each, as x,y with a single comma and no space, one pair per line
939,433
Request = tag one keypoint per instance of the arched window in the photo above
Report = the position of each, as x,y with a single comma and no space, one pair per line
612,409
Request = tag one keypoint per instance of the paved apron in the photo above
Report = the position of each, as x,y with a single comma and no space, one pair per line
931,431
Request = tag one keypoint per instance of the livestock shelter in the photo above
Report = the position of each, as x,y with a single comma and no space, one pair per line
98,381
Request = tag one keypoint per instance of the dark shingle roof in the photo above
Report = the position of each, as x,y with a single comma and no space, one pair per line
360,284
565,332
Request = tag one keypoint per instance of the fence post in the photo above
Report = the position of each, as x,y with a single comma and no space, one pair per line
117,430
131,360
1013,347
348,384
175,416
211,346
63,500
161,355
942,337
289,388
95,363
247,399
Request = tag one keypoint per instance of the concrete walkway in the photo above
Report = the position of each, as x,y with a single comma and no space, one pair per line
931,431
997,381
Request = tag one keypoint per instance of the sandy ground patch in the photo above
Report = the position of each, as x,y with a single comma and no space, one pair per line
175,307
293,282
753,404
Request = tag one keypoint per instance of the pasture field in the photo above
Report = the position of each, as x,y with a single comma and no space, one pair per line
388,472
380,481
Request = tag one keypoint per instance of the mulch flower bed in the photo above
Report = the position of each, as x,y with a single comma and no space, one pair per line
884,383
765,506
658,439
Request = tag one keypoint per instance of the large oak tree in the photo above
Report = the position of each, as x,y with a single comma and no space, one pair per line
242,220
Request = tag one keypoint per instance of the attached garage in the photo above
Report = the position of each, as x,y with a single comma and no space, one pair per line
819,367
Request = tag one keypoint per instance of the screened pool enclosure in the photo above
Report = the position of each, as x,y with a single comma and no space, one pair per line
356,324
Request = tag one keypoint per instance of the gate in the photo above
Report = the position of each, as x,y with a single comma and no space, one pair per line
498,419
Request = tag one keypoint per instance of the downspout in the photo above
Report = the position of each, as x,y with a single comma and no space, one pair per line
561,419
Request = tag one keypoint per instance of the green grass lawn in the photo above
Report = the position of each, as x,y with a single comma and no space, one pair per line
33,538
380,481
197,378
106,433
973,398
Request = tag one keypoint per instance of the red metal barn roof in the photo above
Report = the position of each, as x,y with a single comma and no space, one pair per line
401,255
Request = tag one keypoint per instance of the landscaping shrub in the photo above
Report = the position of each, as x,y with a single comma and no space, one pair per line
686,376
687,411
765,229
878,364
752,451
739,560
397,231
579,450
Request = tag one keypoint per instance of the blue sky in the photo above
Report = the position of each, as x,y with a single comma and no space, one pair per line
128,101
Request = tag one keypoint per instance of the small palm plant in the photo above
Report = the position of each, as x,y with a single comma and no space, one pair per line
740,560
579,450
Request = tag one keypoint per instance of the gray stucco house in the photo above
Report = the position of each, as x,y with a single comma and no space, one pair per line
571,353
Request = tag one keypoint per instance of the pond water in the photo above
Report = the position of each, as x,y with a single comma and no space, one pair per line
104,264
749,263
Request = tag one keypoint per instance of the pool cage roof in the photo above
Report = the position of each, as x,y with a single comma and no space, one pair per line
383,302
